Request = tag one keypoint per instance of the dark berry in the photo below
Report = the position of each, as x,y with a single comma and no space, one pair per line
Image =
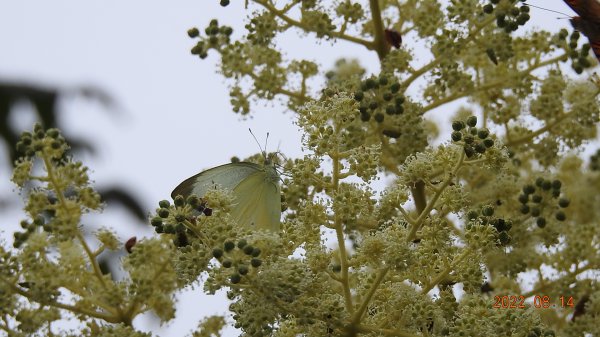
540,222
228,246
458,125
528,189
217,253
556,184
564,202
523,198
235,278
488,142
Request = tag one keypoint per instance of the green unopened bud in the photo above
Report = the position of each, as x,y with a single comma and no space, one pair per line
472,121
193,32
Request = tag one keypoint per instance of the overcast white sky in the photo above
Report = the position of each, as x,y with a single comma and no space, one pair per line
173,118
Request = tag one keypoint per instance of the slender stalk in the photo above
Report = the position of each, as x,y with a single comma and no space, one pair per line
425,213
365,303
442,275
295,23
339,232
378,29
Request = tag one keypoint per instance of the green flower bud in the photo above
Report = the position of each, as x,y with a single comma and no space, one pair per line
522,19
156,221
469,151
472,121
458,125
193,32
487,210
480,148
163,213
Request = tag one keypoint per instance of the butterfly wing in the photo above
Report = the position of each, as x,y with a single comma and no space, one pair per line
255,188
588,21
576,5
258,200
228,176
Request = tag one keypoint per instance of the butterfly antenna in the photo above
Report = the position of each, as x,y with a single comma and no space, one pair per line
549,10
266,142
256,140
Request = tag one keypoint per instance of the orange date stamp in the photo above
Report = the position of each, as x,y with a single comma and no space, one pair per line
540,302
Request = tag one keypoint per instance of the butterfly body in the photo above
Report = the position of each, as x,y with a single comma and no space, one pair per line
255,188
588,21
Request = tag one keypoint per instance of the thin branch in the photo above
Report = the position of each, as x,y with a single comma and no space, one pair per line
378,30
365,303
292,22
